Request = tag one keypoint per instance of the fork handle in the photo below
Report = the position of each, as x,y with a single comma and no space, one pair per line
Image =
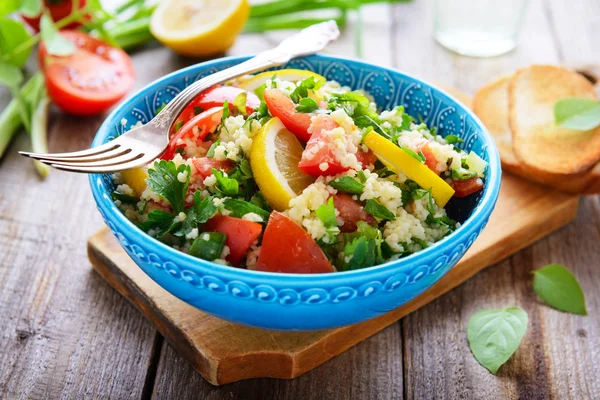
308,41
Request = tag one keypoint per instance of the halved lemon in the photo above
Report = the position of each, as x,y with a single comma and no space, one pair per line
199,27
274,159
136,179
397,159
292,75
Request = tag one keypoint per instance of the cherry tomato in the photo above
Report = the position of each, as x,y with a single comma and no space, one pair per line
287,247
204,166
282,107
58,9
196,128
241,234
467,187
215,97
351,212
430,159
318,158
90,80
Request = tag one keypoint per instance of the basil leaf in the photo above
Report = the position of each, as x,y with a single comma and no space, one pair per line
56,44
239,208
578,114
378,211
347,184
307,105
463,174
228,186
453,139
12,35
240,102
163,179
558,287
208,245
494,335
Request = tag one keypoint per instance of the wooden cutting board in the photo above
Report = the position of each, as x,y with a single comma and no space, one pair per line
224,352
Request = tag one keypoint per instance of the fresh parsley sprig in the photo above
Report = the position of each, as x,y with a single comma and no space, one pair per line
164,179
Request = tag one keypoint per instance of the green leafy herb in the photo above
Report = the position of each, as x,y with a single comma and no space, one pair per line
361,176
365,121
9,6
12,35
453,139
124,198
239,208
229,187
494,335
10,76
240,102
225,115
160,222
163,179
384,172
463,174
211,149
378,211
208,245
419,157
347,184
178,125
142,206
31,8
326,213
198,110
159,109
274,81
578,114
199,213
558,287
420,242
56,44
259,200
303,87
260,92
307,105
360,253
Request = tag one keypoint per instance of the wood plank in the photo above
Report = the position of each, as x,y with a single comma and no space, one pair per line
224,352
64,332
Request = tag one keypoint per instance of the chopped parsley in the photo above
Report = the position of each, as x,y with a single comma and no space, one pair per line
163,179
240,103
307,105
304,86
208,245
347,184
124,198
238,208
374,208
326,213
228,186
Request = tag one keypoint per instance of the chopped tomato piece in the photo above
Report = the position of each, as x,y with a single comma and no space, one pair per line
196,128
282,107
430,160
287,247
319,156
366,158
215,97
204,166
91,79
241,234
351,212
467,187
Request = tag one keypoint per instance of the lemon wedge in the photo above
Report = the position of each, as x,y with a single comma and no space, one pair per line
397,159
274,159
136,179
199,27
293,75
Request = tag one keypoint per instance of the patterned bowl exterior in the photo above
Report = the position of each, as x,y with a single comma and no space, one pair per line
294,301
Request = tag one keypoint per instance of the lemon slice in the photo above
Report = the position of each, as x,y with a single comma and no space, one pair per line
136,179
274,159
293,75
199,27
397,159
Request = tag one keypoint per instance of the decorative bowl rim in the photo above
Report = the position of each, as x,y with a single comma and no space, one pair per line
480,212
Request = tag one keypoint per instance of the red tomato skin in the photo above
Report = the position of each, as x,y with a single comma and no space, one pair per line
241,234
467,187
89,81
430,160
314,155
366,158
282,107
204,166
58,10
287,247
350,212
206,122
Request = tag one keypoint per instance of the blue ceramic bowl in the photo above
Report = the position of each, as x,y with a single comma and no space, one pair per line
307,302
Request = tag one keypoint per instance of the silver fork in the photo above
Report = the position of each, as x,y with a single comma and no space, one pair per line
143,144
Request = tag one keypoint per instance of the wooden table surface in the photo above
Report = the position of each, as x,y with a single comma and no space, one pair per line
64,333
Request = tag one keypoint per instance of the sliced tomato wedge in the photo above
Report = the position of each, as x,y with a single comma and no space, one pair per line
240,234
319,157
204,166
430,160
196,128
351,212
215,97
282,107
90,80
467,187
287,247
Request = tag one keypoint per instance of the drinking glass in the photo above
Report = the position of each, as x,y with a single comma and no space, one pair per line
478,28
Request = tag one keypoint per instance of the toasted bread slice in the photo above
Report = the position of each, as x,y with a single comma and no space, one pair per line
546,151
491,106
